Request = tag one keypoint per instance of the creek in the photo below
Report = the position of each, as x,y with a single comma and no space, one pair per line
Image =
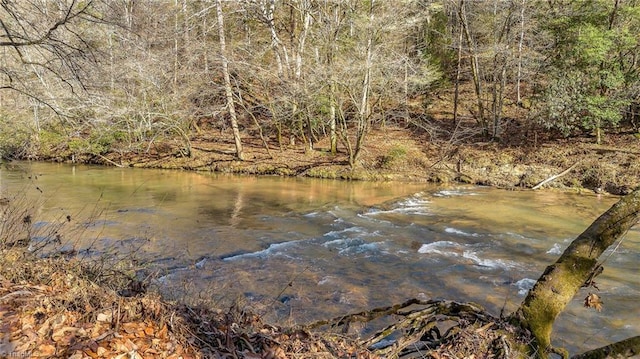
299,250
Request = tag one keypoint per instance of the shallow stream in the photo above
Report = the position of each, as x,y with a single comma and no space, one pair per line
305,249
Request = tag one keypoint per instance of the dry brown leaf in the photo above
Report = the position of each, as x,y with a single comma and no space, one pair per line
149,330
30,334
162,334
44,329
118,346
149,351
101,351
77,355
593,301
90,353
46,350
104,317
61,333
130,345
274,353
130,328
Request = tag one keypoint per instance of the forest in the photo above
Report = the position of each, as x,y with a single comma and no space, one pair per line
98,81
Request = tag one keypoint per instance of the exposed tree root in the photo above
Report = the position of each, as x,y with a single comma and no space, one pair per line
468,329
627,348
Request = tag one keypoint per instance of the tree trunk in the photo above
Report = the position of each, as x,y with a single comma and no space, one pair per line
561,281
275,40
332,125
364,111
475,66
227,82
456,92
520,41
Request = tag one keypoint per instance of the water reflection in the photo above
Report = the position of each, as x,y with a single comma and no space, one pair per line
302,249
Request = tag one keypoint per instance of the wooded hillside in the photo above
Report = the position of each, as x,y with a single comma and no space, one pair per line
80,79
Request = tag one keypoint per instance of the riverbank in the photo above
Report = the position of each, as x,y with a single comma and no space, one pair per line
69,308
425,146
402,154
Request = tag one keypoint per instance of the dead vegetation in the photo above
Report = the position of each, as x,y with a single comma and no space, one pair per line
49,308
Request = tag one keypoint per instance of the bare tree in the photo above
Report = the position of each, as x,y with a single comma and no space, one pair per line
475,64
50,48
227,81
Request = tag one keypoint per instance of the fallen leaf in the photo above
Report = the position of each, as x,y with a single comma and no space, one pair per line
46,350
44,329
130,345
149,331
275,353
593,301
91,353
101,351
60,334
130,328
104,317
162,334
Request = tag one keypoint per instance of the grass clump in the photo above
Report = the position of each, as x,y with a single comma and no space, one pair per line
392,157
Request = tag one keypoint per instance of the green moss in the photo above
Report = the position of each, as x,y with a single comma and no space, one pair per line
392,158
323,172
50,143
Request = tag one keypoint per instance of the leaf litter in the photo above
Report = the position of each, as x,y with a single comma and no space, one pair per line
49,309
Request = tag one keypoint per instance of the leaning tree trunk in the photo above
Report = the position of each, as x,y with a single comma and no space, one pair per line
227,82
474,332
578,264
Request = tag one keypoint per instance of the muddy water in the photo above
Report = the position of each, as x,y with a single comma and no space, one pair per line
300,249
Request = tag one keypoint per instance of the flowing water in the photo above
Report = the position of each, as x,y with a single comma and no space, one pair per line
305,249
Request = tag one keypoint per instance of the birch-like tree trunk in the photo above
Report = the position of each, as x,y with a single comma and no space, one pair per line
280,51
364,110
520,43
227,82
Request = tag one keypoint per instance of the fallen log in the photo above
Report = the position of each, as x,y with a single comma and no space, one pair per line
554,177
